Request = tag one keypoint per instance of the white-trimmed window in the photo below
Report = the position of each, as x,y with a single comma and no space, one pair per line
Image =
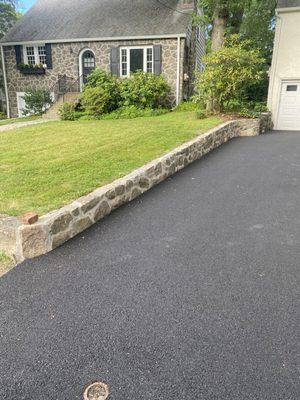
137,58
35,55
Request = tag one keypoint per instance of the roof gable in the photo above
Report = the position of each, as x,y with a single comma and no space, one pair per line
90,19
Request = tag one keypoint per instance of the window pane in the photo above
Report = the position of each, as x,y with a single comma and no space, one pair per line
150,60
88,60
30,51
136,60
30,55
42,54
291,88
124,62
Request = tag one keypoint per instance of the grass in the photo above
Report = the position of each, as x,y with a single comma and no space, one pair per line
6,263
46,166
17,120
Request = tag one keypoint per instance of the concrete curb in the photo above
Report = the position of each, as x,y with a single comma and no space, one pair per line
55,228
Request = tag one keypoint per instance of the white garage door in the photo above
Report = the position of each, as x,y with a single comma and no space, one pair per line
289,107
21,103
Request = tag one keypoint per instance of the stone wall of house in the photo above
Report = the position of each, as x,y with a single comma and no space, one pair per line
55,228
2,91
65,59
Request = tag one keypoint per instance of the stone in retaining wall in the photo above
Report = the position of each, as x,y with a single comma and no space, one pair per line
266,123
55,228
8,233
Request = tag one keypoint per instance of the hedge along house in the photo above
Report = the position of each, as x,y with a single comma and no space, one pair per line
59,42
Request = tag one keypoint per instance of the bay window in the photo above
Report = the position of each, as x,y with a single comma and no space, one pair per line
133,59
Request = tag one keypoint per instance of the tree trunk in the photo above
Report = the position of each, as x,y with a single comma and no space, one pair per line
220,20
236,21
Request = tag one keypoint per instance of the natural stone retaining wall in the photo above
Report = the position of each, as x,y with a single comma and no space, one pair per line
55,228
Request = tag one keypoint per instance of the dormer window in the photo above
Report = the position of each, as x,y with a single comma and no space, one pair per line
35,55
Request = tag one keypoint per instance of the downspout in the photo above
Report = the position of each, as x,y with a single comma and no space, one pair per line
5,83
178,71
273,71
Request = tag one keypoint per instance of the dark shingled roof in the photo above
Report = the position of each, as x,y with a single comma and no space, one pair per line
51,20
288,3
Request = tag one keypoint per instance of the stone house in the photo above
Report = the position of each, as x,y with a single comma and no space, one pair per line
59,42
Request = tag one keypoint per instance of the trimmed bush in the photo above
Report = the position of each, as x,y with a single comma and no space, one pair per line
104,94
144,90
101,94
98,78
98,100
67,112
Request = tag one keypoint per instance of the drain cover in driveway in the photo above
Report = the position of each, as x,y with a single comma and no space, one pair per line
96,391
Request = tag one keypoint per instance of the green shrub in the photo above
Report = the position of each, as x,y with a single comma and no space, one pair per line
229,75
252,109
97,101
3,115
98,78
37,102
79,113
104,94
246,109
144,90
134,112
67,112
186,106
200,114
101,95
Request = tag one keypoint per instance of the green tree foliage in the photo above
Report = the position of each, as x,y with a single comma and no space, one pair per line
37,102
8,15
258,25
252,19
229,75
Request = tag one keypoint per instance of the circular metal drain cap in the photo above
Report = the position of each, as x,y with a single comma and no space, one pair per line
96,391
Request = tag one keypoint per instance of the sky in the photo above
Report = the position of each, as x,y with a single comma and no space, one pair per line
24,5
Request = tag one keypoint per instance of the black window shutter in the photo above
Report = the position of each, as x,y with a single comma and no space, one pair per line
115,61
18,51
157,59
48,55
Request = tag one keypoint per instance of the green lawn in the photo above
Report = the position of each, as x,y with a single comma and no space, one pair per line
43,167
17,120
6,263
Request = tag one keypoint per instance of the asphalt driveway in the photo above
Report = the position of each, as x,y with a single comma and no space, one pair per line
190,292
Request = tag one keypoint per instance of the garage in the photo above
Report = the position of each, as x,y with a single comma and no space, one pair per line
289,107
